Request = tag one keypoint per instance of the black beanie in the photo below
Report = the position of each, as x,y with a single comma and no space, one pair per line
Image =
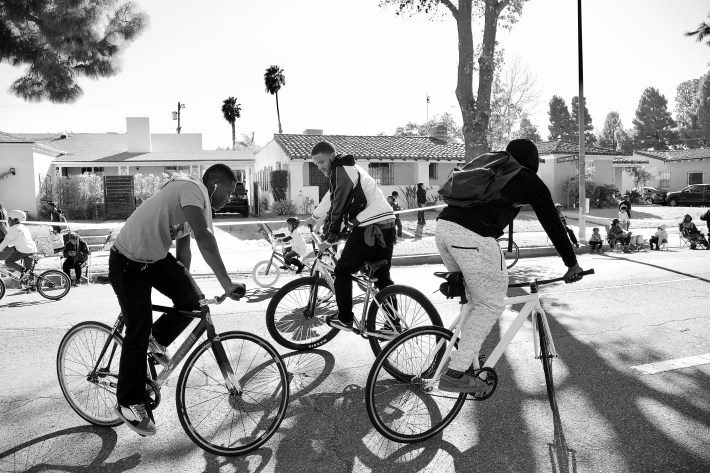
524,152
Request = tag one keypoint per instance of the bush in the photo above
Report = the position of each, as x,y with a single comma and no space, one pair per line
279,183
79,197
634,196
284,207
145,186
604,196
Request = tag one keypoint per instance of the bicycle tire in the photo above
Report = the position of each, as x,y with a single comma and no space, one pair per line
45,284
275,394
511,257
98,407
260,276
408,300
288,315
2,289
381,399
546,357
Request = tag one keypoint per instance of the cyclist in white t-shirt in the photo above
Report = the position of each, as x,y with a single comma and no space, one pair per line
140,261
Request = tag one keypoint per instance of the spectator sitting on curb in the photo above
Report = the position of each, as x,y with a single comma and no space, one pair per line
689,231
616,233
596,240
660,237
76,253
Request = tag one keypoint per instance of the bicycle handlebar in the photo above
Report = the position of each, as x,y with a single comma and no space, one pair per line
548,281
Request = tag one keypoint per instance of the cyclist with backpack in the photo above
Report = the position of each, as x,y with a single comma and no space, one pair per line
480,206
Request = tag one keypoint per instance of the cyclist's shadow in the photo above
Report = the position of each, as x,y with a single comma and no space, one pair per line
76,449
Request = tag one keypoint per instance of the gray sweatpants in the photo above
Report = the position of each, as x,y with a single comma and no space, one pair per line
483,266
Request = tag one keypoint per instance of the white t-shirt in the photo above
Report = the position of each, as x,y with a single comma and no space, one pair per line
149,232
298,244
19,236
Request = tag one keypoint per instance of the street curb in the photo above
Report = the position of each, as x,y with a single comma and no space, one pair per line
435,258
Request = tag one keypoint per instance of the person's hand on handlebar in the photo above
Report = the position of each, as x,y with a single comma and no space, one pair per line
322,246
310,221
235,290
573,274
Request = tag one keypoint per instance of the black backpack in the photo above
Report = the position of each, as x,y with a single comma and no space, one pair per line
480,180
705,216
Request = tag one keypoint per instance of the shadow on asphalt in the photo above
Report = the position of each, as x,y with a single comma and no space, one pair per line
621,258
77,449
17,304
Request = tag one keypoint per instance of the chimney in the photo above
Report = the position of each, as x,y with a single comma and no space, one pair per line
440,134
313,131
138,135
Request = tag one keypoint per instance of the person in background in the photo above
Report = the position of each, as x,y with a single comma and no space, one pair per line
421,202
689,231
56,215
298,245
19,237
3,223
395,206
76,253
624,219
627,204
616,233
596,240
570,232
660,237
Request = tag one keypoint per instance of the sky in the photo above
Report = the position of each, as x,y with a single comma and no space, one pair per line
355,68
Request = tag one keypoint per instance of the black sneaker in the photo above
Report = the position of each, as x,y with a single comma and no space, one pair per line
136,417
465,383
335,322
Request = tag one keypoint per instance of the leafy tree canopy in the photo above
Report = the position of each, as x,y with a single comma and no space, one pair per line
702,106
653,121
685,104
61,40
612,122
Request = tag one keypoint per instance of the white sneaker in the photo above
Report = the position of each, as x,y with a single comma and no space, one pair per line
136,417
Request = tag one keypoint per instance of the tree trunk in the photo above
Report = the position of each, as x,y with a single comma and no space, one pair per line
278,114
464,85
234,136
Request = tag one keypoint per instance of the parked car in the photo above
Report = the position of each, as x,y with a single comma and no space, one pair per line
654,195
238,202
696,194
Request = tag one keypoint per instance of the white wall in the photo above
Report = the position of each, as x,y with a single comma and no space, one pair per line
679,172
19,191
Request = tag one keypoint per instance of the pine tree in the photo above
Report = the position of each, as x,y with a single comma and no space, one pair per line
653,121
589,137
702,110
612,122
528,131
61,40
560,120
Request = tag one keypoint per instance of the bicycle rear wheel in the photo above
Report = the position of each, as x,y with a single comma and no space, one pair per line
296,314
511,257
399,407
53,284
266,273
546,356
2,289
91,395
229,423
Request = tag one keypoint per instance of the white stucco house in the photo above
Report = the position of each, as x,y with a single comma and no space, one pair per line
678,168
138,151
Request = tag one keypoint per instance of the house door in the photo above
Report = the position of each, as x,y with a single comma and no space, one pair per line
317,178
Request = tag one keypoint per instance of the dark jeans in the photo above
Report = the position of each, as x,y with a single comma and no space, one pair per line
11,260
420,215
596,245
291,257
72,263
398,224
133,283
571,234
355,254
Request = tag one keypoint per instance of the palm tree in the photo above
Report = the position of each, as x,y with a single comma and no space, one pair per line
274,78
231,111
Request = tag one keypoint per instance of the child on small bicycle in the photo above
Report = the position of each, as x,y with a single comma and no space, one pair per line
298,245
18,236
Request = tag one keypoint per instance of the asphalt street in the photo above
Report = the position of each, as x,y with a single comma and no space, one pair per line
637,309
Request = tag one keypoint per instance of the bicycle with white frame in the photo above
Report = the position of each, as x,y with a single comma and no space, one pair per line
405,404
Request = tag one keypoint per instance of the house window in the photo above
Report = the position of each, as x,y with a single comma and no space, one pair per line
93,170
695,178
433,170
382,173
664,180
177,170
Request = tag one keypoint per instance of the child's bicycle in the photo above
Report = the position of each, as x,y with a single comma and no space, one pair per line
51,284
266,273
402,396
231,395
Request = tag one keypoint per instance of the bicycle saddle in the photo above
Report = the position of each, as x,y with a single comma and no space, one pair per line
450,276
371,267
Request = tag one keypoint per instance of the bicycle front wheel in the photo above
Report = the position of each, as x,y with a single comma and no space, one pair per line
546,356
296,314
229,423
402,408
511,257
91,394
53,284
2,289
266,273
397,309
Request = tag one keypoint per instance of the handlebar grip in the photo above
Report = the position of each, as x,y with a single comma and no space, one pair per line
588,272
240,292
220,299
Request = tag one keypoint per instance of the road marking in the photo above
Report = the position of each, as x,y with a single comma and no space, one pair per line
670,365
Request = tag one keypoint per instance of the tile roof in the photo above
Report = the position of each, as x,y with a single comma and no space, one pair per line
8,138
169,156
374,147
570,147
678,155
88,147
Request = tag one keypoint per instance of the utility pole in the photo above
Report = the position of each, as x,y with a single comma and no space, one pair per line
580,114
176,115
